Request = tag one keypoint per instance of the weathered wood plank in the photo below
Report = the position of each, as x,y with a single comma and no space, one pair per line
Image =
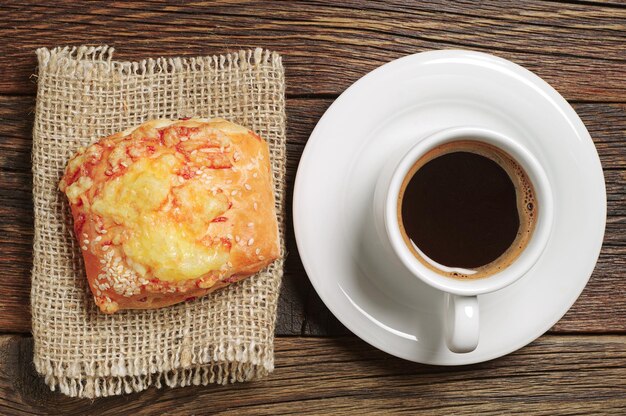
602,307
580,50
553,375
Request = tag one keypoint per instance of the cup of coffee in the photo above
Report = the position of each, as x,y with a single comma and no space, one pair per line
467,211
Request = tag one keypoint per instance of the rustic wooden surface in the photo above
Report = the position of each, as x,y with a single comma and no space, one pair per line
579,47
569,374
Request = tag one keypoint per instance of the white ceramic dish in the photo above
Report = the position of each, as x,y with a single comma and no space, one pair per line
399,104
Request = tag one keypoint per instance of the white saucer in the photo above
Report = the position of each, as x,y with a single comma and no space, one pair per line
402,102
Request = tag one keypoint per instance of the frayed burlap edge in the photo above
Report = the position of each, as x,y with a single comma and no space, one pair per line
85,61
218,370
224,363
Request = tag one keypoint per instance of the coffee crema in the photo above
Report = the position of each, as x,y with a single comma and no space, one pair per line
467,209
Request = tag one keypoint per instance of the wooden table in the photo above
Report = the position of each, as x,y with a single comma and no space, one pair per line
579,47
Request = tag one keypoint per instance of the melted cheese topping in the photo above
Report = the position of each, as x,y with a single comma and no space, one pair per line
165,223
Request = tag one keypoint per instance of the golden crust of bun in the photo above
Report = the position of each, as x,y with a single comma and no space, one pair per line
172,210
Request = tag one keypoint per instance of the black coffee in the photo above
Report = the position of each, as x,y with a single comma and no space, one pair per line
467,205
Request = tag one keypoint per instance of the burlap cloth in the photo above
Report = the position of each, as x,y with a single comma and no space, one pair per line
224,337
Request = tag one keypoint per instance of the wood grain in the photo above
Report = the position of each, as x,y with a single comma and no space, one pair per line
571,374
579,47
601,307
327,45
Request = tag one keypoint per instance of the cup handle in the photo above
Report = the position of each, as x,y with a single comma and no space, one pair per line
461,322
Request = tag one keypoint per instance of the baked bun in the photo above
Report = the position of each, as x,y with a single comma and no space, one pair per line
172,210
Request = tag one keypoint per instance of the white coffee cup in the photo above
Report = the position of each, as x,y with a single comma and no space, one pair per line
462,320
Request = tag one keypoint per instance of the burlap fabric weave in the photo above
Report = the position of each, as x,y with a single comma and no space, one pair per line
83,94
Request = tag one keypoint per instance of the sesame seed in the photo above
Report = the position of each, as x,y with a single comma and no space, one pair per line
98,238
229,236
184,139
255,174
199,172
85,235
236,156
255,205
261,257
229,264
105,248
248,187
250,224
233,193
257,251
84,247
251,241
104,231
237,238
